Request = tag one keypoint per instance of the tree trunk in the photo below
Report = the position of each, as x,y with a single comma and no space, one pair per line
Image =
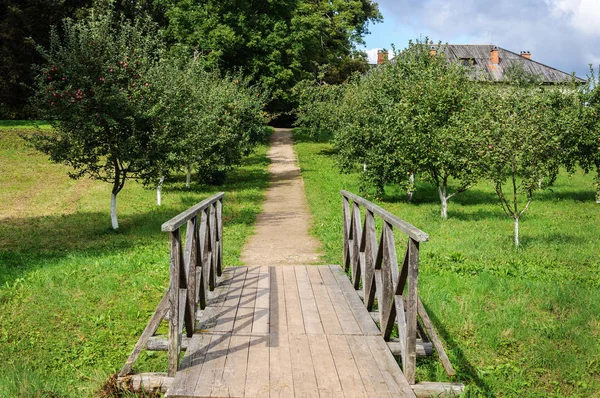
188,177
411,187
443,201
113,211
517,231
159,191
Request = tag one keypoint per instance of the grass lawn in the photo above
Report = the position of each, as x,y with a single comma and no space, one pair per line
516,323
74,294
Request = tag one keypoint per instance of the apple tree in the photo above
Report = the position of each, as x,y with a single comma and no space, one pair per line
95,89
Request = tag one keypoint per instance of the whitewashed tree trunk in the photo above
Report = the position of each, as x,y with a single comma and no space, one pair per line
444,202
411,187
364,167
517,231
159,191
188,177
113,211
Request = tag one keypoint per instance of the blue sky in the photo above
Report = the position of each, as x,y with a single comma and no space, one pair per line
564,34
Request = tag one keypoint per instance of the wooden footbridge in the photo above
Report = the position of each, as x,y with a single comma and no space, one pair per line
292,331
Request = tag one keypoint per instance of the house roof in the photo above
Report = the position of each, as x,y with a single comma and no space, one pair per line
482,66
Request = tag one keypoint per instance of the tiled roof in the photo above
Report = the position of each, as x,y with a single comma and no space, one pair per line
483,68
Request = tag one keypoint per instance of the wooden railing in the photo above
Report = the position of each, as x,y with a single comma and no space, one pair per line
194,267
374,266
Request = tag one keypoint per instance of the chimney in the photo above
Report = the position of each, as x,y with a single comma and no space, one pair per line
494,58
382,56
526,54
432,51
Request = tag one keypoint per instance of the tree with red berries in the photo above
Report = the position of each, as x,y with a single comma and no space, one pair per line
94,87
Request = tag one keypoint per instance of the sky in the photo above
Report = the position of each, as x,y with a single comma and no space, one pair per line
563,34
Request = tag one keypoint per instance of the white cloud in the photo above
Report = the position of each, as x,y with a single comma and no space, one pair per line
582,15
564,34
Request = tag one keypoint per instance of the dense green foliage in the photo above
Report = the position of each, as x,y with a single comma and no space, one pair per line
75,295
515,323
122,110
275,43
587,146
278,43
524,127
423,115
94,87
405,117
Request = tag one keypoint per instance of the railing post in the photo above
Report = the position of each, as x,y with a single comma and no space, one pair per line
411,310
219,236
174,335
356,235
347,232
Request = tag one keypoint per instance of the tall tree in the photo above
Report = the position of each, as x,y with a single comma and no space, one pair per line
278,43
95,88
588,142
522,153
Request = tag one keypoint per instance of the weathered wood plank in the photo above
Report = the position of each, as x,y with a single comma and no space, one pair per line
389,268
174,305
305,382
396,383
370,258
153,324
330,322
411,311
310,313
180,219
186,378
207,318
277,308
355,247
359,311
292,301
281,380
260,322
349,376
429,389
402,225
368,369
437,343
233,379
257,374
214,363
228,311
146,382
342,309
328,382
347,232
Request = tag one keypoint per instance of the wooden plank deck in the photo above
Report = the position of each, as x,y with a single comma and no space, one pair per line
292,331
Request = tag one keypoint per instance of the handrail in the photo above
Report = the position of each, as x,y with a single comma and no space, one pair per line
402,225
194,266
374,265
177,221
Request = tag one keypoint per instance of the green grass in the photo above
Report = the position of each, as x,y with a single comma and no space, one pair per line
74,294
516,323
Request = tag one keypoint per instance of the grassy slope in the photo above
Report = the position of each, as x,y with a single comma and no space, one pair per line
75,295
515,322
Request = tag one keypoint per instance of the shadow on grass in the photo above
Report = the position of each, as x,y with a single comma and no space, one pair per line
29,242
426,193
466,372
551,195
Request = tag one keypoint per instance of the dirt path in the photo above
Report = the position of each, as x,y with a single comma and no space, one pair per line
281,234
